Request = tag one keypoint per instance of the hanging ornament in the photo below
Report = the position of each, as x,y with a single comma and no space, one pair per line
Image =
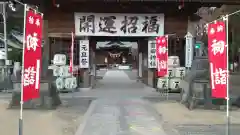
55,4
116,55
11,5
181,5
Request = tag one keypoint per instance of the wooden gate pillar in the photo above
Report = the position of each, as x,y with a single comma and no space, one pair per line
46,49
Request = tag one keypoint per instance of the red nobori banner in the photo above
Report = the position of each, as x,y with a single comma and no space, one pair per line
217,54
32,57
71,55
162,55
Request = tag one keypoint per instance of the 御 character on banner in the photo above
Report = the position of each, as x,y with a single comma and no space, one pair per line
218,46
32,41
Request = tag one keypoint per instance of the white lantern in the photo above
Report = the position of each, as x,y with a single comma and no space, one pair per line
162,83
73,83
173,61
56,71
61,71
59,59
66,72
180,72
171,72
174,83
67,83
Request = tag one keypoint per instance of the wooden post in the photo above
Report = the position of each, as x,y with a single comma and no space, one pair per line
46,48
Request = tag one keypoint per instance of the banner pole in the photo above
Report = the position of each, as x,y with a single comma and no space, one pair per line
21,102
227,98
5,32
167,69
72,53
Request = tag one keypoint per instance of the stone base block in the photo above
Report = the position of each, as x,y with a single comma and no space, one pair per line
49,97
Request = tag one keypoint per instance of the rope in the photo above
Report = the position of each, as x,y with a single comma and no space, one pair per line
225,16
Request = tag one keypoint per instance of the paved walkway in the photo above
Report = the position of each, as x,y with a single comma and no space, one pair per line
120,117
117,83
118,80
119,114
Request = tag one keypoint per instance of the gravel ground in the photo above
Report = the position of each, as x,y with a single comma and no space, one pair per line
176,113
62,121
178,120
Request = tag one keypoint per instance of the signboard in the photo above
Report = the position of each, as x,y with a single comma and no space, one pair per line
162,55
84,54
189,50
32,55
105,24
217,54
152,62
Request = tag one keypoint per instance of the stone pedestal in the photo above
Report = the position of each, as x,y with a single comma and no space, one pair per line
49,97
86,84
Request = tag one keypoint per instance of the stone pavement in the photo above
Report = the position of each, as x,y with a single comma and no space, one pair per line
117,83
120,111
121,117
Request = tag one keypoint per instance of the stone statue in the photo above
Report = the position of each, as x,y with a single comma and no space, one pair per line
199,70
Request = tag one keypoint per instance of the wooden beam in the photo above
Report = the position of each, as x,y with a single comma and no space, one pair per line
170,9
162,1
